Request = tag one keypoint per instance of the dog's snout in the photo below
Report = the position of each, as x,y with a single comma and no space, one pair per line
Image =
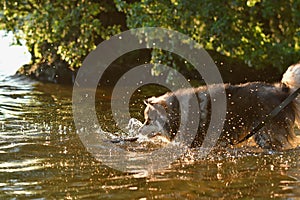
139,130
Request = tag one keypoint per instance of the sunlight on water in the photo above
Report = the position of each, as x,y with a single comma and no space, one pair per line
42,157
21,166
132,140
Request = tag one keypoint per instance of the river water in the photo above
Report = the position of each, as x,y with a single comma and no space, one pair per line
42,157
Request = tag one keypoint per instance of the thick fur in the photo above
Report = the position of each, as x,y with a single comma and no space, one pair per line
247,105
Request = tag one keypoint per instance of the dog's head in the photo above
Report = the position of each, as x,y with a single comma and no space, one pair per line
161,116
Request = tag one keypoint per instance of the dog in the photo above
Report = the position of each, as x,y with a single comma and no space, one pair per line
247,105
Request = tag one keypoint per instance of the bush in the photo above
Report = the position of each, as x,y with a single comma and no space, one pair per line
261,33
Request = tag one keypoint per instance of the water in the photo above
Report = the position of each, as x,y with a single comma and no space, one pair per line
42,157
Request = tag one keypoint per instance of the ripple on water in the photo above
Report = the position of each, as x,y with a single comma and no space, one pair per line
43,158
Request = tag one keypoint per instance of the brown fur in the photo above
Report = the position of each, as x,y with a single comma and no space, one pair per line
247,105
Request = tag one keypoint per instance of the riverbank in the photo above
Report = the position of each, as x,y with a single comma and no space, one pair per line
232,70
56,73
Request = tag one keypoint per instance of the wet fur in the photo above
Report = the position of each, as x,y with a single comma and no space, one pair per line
247,105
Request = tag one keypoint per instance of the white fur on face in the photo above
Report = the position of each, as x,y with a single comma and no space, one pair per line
155,116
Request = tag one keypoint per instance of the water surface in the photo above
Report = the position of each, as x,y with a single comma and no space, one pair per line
42,157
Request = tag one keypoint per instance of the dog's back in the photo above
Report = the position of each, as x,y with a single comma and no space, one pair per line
249,104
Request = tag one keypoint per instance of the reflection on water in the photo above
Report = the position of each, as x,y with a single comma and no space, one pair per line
43,158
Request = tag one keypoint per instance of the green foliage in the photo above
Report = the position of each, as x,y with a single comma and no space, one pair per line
263,33
66,30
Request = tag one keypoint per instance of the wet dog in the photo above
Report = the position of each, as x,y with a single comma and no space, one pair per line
247,105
